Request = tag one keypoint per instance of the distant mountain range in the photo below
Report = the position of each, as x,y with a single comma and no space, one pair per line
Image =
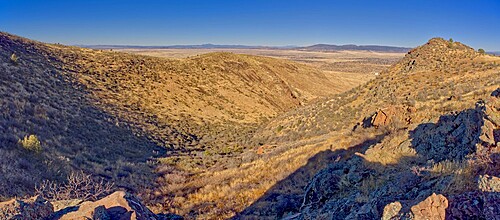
316,47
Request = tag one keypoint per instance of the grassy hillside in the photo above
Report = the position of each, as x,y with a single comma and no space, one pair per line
110,113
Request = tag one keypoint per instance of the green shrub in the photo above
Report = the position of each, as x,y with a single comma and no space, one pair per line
14,59
31,143
450,43
481,51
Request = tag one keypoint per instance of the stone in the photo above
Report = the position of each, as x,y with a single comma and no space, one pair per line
32,208
391,210
496,93
434,207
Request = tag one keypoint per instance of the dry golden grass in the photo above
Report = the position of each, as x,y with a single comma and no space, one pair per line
214,111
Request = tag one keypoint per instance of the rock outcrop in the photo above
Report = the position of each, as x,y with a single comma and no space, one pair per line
359,188
32,208
392,114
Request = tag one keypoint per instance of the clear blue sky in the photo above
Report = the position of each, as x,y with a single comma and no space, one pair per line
254,22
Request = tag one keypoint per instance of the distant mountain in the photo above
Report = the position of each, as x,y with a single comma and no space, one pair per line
377,48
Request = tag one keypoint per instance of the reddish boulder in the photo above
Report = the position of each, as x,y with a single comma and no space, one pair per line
392,114
434,207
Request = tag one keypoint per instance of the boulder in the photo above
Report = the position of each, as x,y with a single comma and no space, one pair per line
434,207
391,210
392,114
119,205
32,208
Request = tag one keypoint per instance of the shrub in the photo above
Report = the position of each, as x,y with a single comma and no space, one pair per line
78,185
450,43
31,143
14,59
481,51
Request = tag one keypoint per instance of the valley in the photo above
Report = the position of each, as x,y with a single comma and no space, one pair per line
256,133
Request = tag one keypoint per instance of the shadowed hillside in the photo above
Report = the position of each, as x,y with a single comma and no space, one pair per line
39,98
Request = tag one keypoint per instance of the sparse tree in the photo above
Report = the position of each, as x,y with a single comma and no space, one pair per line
481,51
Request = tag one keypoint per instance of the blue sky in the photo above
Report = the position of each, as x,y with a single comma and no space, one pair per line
254,22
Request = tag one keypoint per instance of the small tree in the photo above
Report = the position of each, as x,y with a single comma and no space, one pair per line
450,40
14,59
31,143
481,51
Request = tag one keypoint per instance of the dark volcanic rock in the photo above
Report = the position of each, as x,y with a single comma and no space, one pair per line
322,187
453,137
474,205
